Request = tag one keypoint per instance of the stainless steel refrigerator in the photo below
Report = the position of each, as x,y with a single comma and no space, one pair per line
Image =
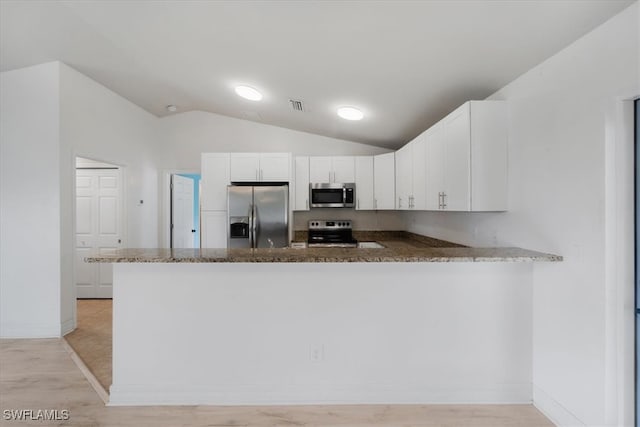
258,216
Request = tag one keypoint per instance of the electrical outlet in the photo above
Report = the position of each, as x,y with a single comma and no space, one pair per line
316,353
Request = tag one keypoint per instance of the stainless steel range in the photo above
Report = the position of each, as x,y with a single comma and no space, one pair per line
331,234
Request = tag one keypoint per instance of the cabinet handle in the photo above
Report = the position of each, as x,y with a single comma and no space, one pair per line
444,200
329,176
307,204
358,203
399,202
256,174
375,203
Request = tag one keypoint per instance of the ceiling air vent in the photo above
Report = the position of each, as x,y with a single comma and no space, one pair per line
296,105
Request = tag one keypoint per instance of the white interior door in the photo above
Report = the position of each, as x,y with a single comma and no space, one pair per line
98,228
183,231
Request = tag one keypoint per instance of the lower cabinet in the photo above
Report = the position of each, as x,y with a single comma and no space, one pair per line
213,229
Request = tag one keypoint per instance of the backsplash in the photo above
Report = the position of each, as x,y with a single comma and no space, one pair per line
360,220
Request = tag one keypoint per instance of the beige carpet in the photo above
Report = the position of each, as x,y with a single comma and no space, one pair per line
93,337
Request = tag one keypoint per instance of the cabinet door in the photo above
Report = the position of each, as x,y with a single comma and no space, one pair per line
364,182
245,167
419,173
403,177
214,181
275,167
384,178
457,160
213,229
344,169
301,183
434,144
320,169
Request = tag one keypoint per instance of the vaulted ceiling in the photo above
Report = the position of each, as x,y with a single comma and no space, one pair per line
404,63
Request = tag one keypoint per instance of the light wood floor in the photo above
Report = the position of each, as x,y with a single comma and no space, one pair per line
40,374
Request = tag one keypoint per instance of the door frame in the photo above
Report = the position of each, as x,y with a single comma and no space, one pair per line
164,237
122,213
619,219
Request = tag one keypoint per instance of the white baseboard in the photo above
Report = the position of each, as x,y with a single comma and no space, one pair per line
29,330
553,410
132,395
86,372
67,326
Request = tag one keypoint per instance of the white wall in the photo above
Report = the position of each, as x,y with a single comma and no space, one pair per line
444,332
558,129
187,135
50,114
98,124
30,202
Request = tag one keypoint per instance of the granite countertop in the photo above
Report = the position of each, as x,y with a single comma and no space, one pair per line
399,247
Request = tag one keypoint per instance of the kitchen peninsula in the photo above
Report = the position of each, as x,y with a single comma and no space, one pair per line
416,321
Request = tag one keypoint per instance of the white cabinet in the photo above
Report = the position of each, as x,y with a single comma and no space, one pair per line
332,169
411,175
384,178
320,169
213,229
467,159
435,171
418,173
275,167
301,183
364,182
344,169
260,167
403,177
214,181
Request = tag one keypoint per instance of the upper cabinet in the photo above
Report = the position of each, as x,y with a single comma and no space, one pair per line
301,183
214,181
364,183
466,159
260,167
384,178
332,169
411,175
275,166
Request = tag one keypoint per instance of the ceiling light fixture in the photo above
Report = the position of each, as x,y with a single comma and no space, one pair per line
350,113
248,93
172,108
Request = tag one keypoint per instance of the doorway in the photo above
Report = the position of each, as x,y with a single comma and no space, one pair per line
185,210
99,221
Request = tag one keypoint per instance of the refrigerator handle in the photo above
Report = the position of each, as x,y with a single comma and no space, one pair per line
250,215
254,233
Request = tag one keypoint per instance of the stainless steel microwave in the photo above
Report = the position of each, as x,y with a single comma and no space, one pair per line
332,195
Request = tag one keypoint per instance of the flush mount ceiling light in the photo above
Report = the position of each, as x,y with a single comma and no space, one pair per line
248,93
172,108
350,113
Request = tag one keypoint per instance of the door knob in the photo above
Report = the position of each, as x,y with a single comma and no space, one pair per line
193,231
